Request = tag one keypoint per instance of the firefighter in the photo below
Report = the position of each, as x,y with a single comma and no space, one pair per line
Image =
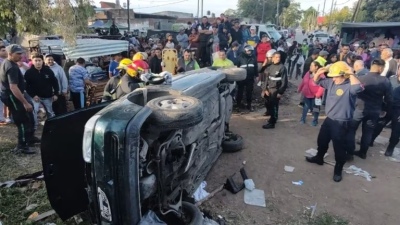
112,90
342,91
276,81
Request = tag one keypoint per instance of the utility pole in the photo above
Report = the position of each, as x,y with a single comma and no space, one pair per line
198,8
262,15
356,11
323,9
277,12
127,7
330,14
202,8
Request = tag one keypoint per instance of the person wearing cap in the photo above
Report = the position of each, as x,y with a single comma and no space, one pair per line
182,38
322,58
276,82
78,79
392,116
377,90
60,105
42,86
262,49
248,61
253,39
13,95
340,105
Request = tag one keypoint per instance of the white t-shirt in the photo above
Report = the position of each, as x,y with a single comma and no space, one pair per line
23,71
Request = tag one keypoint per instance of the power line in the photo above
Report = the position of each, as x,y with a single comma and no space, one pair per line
171,3
343,3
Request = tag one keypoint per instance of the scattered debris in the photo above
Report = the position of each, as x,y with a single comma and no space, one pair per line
207,221
382,140
289,169
255,197
365,190
313,152
314,207
31,207
230,184
151,219
210,195
249,184
22,180
200,193
358,172
33,216
298,183
36,185
244,162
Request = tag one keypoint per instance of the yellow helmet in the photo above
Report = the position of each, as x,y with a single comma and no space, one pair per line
132,70
140,56
124,63
339,69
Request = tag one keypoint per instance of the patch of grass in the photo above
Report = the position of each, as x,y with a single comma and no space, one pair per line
324,218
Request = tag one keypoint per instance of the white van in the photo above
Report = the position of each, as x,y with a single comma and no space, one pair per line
262,29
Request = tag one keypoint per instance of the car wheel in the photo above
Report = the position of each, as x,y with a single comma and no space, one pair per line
192,214
235,74
233,143
175,112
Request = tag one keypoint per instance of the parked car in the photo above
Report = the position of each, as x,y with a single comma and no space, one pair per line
322,37
149,150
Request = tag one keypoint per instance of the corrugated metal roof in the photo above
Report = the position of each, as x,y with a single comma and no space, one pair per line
372,25
84,48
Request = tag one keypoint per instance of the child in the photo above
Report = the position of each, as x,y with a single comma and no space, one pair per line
311,91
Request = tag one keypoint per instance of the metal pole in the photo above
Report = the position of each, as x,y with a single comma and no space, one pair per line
129,24
262,15
323,9
202,8
198,8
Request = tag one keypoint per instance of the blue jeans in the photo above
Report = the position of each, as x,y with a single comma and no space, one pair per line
309,104
2,119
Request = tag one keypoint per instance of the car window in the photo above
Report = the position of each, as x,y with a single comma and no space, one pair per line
321,35
274,34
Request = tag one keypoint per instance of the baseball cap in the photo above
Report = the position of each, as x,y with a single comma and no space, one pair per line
323,53
11,49
315,52
378,62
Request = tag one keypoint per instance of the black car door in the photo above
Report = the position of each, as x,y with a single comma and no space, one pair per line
63,164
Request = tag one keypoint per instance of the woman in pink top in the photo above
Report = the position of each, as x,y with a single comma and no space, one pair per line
311,91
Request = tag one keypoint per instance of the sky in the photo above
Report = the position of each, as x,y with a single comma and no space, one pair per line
215,6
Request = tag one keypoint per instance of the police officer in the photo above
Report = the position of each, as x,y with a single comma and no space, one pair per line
276,81
392,115
265,65
248,61
368,107
340,103
14,97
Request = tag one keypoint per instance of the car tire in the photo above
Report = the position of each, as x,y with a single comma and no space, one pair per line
235,74
196,217
233,143
175,112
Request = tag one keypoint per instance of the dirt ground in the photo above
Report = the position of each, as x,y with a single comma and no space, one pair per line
266,152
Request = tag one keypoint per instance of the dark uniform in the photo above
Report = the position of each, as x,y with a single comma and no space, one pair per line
11,74
368,108
276,81
340,105
204,51
392,115
112,89
248,62
128,84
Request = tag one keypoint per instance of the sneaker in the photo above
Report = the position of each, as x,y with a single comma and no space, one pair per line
300,105
266,114
268,126
8,120
302,121
314,123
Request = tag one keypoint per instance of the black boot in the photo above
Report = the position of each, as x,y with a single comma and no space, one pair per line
361,154
337,173
389,151
316,159
24,150
268,126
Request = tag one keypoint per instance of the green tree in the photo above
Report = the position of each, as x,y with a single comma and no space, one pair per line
309,20
382,10
231,13
45,17
338,16
291,15
254,8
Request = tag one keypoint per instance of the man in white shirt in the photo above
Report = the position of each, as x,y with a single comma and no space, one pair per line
390,63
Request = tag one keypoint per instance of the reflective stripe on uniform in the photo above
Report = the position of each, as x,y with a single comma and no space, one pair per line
275,78
248,65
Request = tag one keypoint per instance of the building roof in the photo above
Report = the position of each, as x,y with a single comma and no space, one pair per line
108,5
152,16
371,25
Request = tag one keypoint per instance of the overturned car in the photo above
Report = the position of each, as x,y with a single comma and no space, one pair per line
149,150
